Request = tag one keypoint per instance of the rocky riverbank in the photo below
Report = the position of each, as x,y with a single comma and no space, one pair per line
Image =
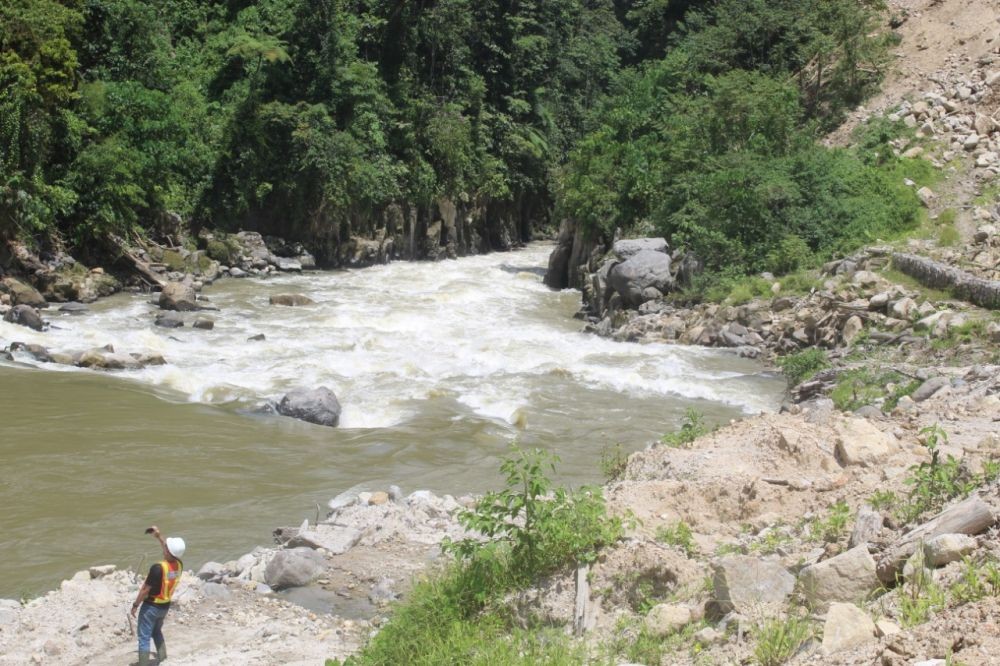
316,594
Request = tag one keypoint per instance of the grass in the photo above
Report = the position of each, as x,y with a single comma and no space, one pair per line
912,284
832,526
779,640
613,462
869,385
678,535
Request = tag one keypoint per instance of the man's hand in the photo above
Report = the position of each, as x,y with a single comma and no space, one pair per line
155,531
135,609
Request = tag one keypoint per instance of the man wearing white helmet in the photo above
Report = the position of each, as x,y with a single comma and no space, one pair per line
153,600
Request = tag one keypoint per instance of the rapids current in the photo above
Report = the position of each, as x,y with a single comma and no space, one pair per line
439,367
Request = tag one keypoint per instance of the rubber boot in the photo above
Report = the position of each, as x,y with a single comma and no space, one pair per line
143,659
161,652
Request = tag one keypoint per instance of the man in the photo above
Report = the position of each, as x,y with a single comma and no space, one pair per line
154,596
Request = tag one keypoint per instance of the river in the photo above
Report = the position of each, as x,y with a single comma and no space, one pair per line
439,366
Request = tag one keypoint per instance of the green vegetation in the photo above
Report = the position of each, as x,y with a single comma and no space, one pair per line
456,616
870,385
831,527
801,366
635,643
778,640
678,535
614,461
323,120
691,429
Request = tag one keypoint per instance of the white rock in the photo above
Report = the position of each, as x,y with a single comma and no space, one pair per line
848,577
926,195
861,443
948,548
847,626
665,619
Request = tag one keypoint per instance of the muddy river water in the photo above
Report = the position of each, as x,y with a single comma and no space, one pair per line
439,368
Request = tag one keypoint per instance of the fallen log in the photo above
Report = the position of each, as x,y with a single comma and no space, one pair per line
971,517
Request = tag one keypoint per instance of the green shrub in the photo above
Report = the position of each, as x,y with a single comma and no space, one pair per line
691,429
678,535
801,366
831,527
614,461
791,254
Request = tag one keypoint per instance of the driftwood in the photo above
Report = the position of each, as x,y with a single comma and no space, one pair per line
583,612
969,517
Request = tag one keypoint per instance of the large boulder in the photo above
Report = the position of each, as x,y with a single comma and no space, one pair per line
847,626
294,568
848,577
628,248
751,586
318,405
642,277
25,315
22,294
861,443
178,296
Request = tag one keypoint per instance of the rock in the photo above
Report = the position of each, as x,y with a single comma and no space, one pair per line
904,308
22,294
868,412
395,493
971,142
213,590
338,541
864,278
319,406
665,619
237,272
642,277
750,586
859,442
867,527
847,626
848,577
852,328
947,548
169,319
211,571
74,308
379,497
204,323
178,296
382,592
25,315
291,300
885,627
102,570
879,301
628,248
929,388
993,332
293,568
926,196
287,264
257,338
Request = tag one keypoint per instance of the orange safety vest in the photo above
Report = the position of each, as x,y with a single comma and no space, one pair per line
171,576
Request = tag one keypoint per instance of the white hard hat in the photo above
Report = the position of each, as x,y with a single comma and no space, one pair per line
176,546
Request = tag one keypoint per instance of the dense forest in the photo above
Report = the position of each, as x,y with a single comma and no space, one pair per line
323,120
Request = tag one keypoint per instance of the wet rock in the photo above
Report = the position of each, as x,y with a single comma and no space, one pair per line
293,568
178,296
40,353
847,626
287,264
25,315
947,548
291,300
204,323
169,319
236,272
257,338
642,277
395,493
849,576
665,619
378,498
318,405
929,388
750,585
21,293
74,308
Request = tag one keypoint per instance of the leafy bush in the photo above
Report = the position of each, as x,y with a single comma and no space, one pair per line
801,366
678,535
691,429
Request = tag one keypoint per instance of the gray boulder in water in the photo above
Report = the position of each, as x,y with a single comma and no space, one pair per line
318,405
642,277
25,315
178,296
